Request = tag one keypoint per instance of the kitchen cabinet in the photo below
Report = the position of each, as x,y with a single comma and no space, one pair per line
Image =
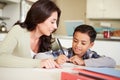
4,18
10,1
14,10
16,1
103,9
10,12
31,1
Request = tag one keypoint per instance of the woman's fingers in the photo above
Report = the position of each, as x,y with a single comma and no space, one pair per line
49,63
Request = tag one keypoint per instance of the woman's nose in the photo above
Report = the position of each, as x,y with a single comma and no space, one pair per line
55,26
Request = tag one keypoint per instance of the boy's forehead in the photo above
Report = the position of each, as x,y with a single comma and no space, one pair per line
81,36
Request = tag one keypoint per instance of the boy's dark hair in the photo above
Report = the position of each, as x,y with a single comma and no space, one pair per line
88,30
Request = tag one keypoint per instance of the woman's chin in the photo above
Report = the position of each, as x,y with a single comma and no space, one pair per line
47,34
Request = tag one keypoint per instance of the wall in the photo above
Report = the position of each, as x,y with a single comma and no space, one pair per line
108,48
76,10
71,10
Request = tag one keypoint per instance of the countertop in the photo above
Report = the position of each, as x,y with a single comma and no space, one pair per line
48,74
99,37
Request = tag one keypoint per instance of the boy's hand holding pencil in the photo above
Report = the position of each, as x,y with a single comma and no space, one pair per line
61,58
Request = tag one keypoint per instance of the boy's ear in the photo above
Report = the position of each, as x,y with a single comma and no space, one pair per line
91,44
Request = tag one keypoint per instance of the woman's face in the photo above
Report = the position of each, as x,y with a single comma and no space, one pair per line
49,25
81,43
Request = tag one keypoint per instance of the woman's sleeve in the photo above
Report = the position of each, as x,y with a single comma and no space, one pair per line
14,61
6,49
8,44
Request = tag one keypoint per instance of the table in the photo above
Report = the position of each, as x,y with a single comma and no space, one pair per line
41,74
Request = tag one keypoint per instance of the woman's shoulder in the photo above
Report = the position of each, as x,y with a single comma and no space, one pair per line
17,29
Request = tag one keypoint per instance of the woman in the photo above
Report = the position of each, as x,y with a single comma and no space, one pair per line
31,37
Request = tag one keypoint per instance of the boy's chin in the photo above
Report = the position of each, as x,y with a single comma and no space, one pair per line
77,53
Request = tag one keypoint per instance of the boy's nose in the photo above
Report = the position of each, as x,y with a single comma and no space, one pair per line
79,44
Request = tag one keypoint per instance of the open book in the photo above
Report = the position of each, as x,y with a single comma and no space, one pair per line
84,74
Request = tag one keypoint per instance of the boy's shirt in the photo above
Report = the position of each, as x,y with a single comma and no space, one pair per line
69,53
91,58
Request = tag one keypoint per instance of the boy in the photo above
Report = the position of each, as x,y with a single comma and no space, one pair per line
80,53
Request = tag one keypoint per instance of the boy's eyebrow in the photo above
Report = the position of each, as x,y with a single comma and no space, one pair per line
81,40
74,38
84,41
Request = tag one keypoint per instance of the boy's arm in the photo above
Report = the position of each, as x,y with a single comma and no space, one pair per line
100,62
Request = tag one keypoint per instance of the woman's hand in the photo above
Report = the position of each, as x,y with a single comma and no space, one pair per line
76,60
61,59
49,63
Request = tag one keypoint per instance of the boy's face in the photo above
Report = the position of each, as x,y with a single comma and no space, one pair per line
81,43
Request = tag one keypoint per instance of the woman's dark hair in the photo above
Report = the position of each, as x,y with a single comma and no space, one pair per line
38,13
88,30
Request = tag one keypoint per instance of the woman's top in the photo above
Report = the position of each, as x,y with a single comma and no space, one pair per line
44,55
15,49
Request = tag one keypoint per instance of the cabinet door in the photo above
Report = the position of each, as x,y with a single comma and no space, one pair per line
112,9
31,1
11,1
16,1
95,8
103,9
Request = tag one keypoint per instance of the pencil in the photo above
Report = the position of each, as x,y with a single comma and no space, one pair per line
60,46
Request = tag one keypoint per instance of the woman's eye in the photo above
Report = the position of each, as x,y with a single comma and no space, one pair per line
52,22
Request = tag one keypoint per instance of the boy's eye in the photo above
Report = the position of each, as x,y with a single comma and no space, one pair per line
83,43
75,40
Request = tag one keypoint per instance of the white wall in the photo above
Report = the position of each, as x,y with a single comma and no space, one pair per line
108,48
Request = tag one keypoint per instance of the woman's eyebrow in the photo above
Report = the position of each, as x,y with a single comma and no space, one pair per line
54,19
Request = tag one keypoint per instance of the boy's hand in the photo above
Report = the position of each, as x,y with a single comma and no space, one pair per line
76,60
61,59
